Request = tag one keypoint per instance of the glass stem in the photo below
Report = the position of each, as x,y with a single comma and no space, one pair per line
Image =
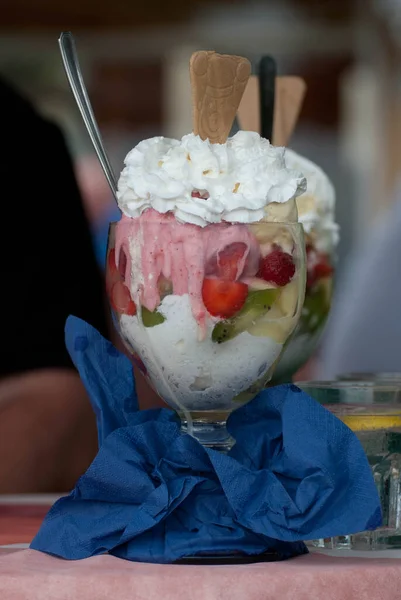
210,433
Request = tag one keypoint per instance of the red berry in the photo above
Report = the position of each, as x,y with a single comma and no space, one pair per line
223,298
211,266
277,267
228,261
318,269
112,275
323,269
203,194
111,262
121,300
318,266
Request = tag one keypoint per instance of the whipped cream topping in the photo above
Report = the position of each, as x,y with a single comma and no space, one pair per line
316,207
205,183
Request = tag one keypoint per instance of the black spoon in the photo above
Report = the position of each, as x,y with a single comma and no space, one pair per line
267,82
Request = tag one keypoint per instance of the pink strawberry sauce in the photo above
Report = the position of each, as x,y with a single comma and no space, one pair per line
159,245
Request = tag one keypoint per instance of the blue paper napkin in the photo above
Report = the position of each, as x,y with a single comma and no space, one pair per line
155,495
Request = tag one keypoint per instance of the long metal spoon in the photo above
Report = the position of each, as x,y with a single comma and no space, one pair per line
71,64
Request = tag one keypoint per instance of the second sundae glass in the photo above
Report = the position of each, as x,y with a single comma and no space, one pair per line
316,212
318,296
205,311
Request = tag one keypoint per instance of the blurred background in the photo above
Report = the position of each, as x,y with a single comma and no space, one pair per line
134,56
135,61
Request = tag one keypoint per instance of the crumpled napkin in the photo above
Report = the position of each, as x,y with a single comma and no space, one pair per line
153,494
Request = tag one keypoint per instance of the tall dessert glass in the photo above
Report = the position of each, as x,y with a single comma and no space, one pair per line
315,312
205,277
316,212
205,311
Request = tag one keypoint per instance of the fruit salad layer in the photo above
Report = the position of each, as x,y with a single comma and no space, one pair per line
205,293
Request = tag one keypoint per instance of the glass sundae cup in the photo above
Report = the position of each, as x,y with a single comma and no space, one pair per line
314,314
205,312
316,213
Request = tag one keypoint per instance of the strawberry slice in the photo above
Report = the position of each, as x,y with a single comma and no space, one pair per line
112,275
223,298
121,300
323,269
111,262
228,261
203,194
320,269
309,249
277,267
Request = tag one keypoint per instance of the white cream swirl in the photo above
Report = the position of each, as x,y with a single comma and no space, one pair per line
316,207
240,178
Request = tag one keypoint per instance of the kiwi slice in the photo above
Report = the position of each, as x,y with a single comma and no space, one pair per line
150,319
257,304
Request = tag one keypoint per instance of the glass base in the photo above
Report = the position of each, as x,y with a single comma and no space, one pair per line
229,559
380,539
209,428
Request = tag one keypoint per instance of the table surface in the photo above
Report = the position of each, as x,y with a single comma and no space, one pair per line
21,517
29,574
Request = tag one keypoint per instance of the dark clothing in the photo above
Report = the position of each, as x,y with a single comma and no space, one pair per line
49,270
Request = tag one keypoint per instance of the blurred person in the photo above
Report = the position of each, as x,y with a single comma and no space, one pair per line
48,432
47,428
364,328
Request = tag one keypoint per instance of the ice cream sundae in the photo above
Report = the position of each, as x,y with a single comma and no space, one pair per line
206,270
315,211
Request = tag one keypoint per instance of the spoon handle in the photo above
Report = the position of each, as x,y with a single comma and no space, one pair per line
75,79
267,84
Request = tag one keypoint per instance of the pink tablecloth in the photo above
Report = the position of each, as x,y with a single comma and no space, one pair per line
26,574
